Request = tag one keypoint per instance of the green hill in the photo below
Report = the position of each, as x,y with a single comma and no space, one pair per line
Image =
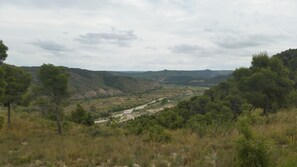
198,77
91,84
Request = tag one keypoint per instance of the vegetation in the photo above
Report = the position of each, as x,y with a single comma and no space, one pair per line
17,82
85,84
196,78
248,120
54,85
3,52
32,141
3,55
14,83
251,150
81,116
267,84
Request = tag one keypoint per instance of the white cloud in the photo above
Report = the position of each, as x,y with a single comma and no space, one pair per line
161,34
120,38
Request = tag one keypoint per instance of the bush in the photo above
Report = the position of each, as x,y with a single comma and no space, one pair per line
199,124
170,119
251,151
157,133
81,116
89,120
104,114
140,124
1,121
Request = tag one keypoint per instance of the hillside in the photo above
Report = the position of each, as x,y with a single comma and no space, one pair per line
197,78
33,142
91,84
270,83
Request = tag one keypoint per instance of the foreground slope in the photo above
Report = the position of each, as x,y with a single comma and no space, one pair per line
32,141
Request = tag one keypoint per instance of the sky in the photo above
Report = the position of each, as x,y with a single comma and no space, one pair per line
140,35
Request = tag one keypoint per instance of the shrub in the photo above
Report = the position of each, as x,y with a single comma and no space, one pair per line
170,119
104,114
1,121
157,133
89,120
251,151
199,124
81,116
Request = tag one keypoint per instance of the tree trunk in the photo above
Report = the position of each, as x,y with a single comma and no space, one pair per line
8,115
58,118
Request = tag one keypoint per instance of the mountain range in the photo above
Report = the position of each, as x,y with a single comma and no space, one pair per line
86,84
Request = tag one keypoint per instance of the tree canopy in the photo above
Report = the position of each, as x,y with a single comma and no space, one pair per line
17,82
3,52
54,85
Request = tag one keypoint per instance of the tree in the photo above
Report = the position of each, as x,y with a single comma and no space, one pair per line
17,82
240,73
3,56
54,84
3,52
266,89
260,60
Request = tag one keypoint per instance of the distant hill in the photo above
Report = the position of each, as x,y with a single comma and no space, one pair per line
91,84
198,77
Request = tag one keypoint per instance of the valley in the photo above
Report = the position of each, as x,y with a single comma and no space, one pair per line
123,108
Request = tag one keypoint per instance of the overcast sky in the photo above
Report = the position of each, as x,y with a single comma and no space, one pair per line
146,34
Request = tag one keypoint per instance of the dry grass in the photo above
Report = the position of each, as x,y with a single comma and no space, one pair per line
32,141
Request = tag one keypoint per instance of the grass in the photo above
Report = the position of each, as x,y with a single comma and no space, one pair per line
33,141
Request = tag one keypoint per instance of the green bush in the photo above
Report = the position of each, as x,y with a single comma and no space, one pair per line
89,120
199,124
104,114
251,150
81,116
1,121
157,133
170,119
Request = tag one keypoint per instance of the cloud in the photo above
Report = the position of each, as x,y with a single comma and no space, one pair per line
238,42
51,46
120,38
159,31
185,48
151,48
241,40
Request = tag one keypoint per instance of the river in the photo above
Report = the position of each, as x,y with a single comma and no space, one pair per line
127,114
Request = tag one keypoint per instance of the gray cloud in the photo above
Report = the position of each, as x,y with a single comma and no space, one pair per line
120,38
238,41
50,46
185,48
190,28
91,4
151,48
